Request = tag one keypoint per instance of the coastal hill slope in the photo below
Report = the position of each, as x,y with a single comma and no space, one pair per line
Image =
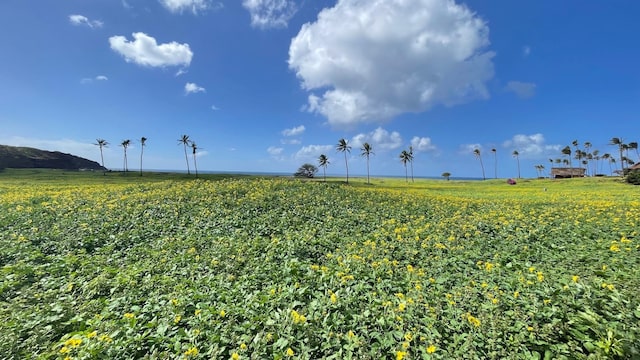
27,158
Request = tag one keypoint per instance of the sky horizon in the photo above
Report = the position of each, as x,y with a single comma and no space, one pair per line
267,85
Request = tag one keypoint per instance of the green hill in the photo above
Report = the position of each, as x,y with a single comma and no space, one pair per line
27,158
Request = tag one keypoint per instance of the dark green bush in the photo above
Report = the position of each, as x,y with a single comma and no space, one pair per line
634,177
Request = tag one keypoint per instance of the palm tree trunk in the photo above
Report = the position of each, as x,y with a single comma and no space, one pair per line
195,165
367,169
141,152
482,167
346,164
406,176
324,172
187,159
104,172
518,159
411,163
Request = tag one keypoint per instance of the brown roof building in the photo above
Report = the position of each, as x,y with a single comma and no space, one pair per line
562,173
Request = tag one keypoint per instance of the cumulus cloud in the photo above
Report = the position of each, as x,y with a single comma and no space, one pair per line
380,139
378,59
275,151
422,144
295,131
523,90
145,51
312,151
192,88
531,146
469,148
195,6
270,13
81,20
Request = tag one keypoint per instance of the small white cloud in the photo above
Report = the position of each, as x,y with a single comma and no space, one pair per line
523,90
290,141
270,13
145,51
531,146
380,139
295,131
181,72
312,151
275,151
102,78
214,108
369,61
422,144
526,50
466,149
79,20
195,6
97,78
192,88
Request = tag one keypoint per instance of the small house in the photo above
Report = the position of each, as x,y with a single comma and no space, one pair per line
566,172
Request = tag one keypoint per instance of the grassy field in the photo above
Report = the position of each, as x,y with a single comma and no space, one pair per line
167,266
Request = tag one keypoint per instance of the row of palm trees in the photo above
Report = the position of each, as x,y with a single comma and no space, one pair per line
366,151
184,140
586,157
102,143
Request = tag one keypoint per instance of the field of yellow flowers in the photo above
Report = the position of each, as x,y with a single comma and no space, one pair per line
250,268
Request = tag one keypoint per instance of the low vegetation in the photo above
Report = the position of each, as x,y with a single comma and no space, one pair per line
117,267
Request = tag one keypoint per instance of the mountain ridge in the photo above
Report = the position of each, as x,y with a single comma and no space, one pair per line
20,157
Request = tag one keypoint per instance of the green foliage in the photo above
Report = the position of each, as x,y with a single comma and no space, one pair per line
633,177
267,268
306,170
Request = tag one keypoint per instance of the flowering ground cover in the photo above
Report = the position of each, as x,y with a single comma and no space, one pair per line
250,268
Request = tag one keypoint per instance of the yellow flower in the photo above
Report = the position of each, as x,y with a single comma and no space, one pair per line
64,350
351,334
92,334
402,306
540,276
222,313
575,278
408,336
431,349
614,247
400,355
198,312
473,320
290,352
129,315
235,356
334,298
174,302
410,268
516,294
243,346
297,317
73,342
177,319
530,328
191,352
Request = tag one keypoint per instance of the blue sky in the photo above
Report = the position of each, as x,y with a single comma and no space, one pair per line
266,85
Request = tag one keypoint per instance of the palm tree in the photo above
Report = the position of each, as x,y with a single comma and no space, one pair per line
537,170
405,157
102,143
143,142
620,144
567,151
125,144
495,162
184,140
194,147
476,152
411,160
323,161
516,155
634,145
606,157
344,147
446,175
367,151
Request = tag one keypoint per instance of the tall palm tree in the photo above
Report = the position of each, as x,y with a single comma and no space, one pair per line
102,143
125,144
476,152
516,155
194,147
405,157
367,151
567,151
143,143
411,160
634,145
606,157
344,147
495,162
446,175
323,161
184,140
619,142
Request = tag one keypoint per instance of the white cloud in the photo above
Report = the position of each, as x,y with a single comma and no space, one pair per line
195,6
181,72
144,50
422,144
532,146
378,59
275,151
380,139
97,78
312,151
270,13
290,141
295,131
192,88
79,20
523,90
466,149
526,50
